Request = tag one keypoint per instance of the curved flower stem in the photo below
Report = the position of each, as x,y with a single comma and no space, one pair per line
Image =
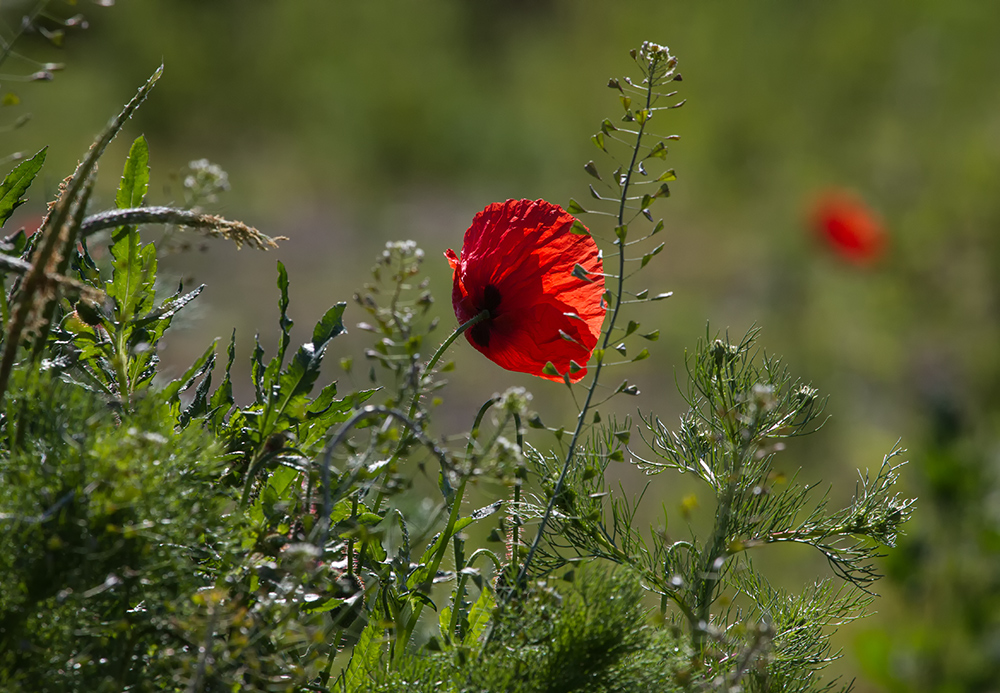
368,412
404,439
581,419
460,330
435,357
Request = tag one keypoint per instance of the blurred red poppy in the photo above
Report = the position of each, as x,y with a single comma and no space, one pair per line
850,227
519,261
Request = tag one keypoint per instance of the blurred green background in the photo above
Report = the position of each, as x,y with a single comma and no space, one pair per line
346,124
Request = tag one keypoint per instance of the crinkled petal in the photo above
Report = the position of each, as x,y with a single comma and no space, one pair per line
525,250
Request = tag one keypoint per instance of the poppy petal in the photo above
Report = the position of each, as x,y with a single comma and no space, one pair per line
850,228
518,260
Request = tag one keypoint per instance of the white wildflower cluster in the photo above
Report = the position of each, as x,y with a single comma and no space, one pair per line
204,182
514,400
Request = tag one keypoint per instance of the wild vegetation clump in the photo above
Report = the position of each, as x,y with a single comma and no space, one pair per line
159,535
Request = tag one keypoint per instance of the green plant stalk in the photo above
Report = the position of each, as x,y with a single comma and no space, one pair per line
712,563
461,329
324,677
69,244
121,357
435,357
515,532
456,506
717,550
457,543
581,419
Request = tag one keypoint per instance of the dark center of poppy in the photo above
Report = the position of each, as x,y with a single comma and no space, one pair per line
480,332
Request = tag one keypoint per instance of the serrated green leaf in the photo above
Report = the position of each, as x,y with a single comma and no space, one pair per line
160,318
276,487
17,183
479,617
199,404
329,326
323,402
133,275
421,574
340,511
222,399
175,387
328,605
321,414
257,369
481,513
135,176
365,656
284,322
444,624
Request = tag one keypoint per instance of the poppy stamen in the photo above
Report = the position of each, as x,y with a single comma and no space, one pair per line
491,299
480,333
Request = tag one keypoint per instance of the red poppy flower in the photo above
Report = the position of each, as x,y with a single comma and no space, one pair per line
518,261
850,227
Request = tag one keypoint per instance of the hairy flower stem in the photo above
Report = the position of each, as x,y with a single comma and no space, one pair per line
404,439
459,331
415,402
581,419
